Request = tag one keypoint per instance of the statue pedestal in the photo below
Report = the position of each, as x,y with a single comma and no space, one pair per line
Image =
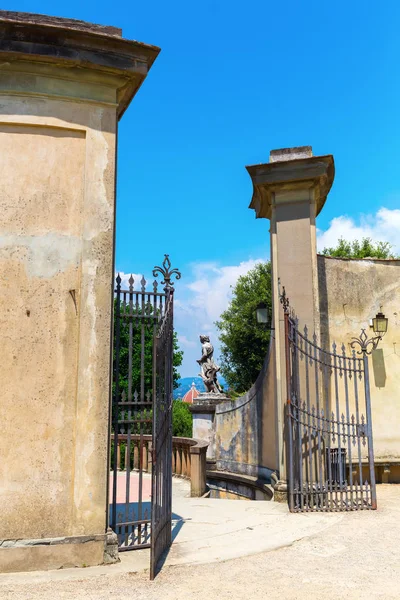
203,410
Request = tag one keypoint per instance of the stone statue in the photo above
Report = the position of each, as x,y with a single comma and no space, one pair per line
208,367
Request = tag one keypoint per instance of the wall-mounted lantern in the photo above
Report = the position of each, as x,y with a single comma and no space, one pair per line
262,313
380,324
379,327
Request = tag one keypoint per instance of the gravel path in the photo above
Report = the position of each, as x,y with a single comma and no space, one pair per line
359,557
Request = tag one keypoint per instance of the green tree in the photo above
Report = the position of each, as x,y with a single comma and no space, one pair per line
182,420
365,248
137,334
244,342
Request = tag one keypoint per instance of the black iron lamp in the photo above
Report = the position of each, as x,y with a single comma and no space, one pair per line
380,324
262,313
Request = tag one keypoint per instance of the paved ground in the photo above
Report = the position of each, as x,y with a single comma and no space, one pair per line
353,555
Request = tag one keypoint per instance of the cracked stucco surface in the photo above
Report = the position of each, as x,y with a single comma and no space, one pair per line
56,244
351,293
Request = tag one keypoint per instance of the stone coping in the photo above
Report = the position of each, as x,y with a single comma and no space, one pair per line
48,21
253,482
301,173
207,403
366,259
196,446
76,539
33,39
379,461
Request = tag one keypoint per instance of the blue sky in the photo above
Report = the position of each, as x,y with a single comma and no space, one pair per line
233,81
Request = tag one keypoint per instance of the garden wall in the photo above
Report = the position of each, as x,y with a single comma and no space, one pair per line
351,293
245,436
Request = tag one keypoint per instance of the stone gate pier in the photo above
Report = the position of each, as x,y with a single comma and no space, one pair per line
64,85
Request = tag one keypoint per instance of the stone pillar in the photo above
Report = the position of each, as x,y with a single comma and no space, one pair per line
63,87
290,191
203,410
198,474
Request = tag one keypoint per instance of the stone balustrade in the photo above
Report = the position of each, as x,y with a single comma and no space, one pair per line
188,458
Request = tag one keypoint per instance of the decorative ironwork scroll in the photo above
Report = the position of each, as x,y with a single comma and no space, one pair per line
166,272
366,345
329,430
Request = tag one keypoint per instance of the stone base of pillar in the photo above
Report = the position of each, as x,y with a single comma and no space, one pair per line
51,553
111,548
203,410
280,491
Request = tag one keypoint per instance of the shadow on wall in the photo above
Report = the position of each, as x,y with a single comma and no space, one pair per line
340,276
378,365
245,431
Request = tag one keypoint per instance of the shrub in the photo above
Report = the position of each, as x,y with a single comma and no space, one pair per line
182,421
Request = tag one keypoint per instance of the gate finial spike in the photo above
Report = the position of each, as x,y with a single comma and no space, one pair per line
131,282
167,273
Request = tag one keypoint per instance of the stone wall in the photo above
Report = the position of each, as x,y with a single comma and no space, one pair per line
245,435
56,259
351,293
63,87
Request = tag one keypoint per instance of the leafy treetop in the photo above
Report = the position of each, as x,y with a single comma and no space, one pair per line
365,248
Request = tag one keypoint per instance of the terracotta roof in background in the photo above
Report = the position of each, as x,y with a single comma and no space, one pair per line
191,394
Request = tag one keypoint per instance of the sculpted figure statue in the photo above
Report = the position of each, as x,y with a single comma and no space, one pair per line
208,367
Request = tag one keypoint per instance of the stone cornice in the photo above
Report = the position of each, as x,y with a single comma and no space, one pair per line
78,46
315,172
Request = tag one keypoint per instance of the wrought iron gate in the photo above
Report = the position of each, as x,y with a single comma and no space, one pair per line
161,498
329,429
141,439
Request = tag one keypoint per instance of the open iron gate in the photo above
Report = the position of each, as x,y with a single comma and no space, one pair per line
329,428
161,497
141,438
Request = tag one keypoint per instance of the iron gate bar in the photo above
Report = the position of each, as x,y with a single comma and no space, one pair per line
161,513
142,405
322,432
137,315
138,311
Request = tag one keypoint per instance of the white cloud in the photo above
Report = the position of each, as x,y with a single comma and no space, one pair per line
183,341
199,303
384,226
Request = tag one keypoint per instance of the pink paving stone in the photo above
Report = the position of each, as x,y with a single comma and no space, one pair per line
134,487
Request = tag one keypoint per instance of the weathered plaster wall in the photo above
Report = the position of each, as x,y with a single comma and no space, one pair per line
351,293
245,429
63,86
56,262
